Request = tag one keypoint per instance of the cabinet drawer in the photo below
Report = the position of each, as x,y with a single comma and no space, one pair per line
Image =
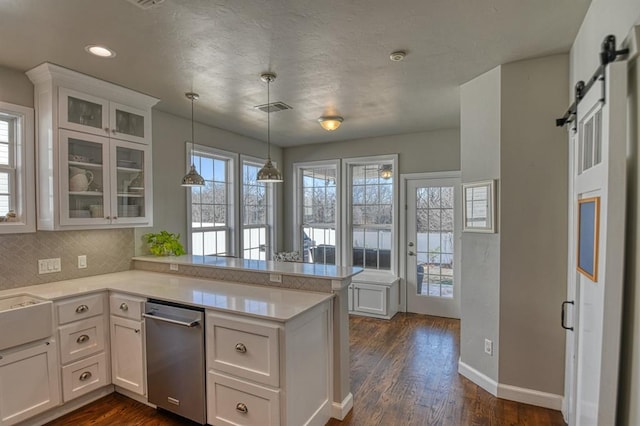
245,349
126,306
80,308
235,402
84,376
81,339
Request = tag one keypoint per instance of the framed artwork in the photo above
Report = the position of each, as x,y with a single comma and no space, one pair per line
478,205
588,237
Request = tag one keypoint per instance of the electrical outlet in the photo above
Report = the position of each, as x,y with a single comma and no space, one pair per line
173,267
82,261
488,347
47,266
275,278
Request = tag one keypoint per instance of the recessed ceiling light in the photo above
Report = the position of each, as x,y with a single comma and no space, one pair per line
103,52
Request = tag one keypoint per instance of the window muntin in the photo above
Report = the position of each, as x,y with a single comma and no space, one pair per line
317,212
371,212
211,208
256,213
7,164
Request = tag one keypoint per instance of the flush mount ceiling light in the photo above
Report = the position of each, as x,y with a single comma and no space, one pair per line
398,55
386,171
330,123
269,172
101,51
192,178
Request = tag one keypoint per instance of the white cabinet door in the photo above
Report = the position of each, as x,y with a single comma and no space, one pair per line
127,354
129,124
370,298
83,112
130,182
29,382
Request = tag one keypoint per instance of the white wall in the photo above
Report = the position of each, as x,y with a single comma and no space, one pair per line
480,271
533,231
169,160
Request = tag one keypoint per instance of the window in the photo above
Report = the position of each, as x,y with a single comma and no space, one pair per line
257,212
17,187
371,223
317,212
211,206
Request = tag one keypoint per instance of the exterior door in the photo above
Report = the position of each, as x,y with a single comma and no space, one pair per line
432,246
597,208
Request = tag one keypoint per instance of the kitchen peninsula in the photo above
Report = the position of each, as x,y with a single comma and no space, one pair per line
242,293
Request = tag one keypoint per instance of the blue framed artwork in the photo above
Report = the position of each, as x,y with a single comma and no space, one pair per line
588,234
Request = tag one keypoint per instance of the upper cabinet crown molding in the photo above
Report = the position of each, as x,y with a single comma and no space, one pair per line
48,73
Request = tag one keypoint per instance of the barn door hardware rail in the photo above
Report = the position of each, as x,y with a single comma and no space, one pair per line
608,54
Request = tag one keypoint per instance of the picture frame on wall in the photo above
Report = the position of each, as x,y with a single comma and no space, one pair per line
588,237
478,202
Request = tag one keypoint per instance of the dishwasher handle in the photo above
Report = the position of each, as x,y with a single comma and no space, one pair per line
172,321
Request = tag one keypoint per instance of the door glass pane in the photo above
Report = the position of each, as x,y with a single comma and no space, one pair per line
129,123
83,112
85,179
434,241
130,181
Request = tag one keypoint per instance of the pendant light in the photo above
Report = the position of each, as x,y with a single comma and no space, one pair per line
268,172
192,178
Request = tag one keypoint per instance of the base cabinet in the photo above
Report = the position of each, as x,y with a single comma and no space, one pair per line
29,382
127,354
375,298
269,373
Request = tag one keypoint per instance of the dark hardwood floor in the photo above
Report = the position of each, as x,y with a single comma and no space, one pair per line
403,372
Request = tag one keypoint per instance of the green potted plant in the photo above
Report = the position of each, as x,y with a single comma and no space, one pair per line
164,243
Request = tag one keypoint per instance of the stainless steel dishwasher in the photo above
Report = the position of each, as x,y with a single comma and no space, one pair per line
175,359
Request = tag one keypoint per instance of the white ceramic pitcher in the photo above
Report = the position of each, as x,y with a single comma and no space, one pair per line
79,179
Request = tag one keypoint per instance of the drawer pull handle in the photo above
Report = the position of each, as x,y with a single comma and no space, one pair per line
82,339
242,408
240,347
85,376
124,307
82,308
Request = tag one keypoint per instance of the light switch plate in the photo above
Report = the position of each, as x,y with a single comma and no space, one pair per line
82,261
275,278
48,266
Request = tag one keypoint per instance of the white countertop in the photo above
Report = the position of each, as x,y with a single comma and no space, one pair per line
316,270
253,300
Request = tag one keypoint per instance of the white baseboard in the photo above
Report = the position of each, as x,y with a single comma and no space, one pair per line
530,396
512,393
480,379
339,410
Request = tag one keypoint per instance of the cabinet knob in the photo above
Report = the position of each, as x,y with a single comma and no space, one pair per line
106,129
108,217
113,131
137,330
241,407
124,307
85,376
82,339
240,347
82,308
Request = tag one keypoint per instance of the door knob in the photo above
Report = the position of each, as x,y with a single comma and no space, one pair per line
410,244
411,253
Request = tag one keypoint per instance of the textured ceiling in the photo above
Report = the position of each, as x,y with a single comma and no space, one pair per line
331,57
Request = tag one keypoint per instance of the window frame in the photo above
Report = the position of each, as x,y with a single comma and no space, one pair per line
22,174
270,213
232,215
298,197
347,216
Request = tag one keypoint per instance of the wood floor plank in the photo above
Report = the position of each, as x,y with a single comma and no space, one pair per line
404,372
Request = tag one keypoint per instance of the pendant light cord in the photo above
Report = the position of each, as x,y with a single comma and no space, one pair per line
192,141
268,121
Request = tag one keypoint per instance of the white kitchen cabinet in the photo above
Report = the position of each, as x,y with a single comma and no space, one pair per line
29,381
128,369
259,372
103,181
84,337
91,114
93,150
375,296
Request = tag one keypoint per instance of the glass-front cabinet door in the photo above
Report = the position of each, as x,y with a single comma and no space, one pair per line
82,112
84,179
128,123
131,181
